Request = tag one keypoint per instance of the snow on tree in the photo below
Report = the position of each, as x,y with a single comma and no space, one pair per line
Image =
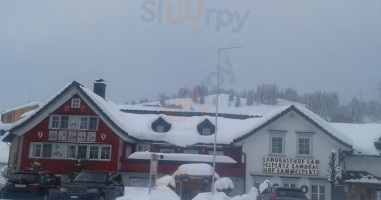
250,98
237,102
265,184
224,184
333,171
267,94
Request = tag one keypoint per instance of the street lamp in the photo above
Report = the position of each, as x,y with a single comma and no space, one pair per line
216,117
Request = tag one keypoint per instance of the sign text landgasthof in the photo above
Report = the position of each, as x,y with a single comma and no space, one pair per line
295,166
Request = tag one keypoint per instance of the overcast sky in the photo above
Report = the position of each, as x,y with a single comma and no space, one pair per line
145,47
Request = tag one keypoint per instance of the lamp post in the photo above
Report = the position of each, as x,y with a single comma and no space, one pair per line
216,117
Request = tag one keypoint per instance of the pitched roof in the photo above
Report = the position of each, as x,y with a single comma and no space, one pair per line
317,121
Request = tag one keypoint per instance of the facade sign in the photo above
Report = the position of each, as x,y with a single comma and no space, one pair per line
294,166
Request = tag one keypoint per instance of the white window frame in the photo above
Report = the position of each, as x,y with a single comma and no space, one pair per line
100,152
75,103
318,193
71,119
277,134
99,146
304,135
32,148
206,131
52,120
89,152
86,124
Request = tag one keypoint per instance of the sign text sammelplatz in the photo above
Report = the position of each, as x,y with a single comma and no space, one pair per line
295,166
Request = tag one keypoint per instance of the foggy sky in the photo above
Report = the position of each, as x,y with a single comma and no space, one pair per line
323,45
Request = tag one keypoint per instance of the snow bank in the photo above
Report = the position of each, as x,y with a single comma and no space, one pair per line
224,183
253,192
160,193
209,196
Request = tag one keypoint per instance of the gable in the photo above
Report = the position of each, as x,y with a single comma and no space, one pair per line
309,121
59,105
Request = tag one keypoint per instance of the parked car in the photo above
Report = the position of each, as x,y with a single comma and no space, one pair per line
30,185
94,185
281,193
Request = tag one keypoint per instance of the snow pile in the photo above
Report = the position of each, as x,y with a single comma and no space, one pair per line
198,169
224,183
209,196
265,184
183,157
166,181
222,196
253,192
159,193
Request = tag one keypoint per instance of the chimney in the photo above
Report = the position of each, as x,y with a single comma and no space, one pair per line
100,88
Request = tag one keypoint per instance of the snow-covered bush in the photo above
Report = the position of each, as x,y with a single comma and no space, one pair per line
166,181
253,192
265,184
224,184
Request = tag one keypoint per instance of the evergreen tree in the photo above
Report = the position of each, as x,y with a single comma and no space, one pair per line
250,98
237,102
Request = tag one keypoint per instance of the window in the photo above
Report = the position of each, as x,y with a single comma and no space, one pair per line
160,129
82,152
71,151
167,151
289,185
93,125
304,145
137,183
75,103
191,151
47,150
84,121
55,122
64,122
35,150
143,147
205,131
218,153
277,145
94,152
318,192
105,153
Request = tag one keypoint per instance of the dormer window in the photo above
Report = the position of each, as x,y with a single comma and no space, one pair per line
205,131
160,125
206,128
160,129
75,103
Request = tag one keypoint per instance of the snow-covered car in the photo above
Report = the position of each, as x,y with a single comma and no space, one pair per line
94,185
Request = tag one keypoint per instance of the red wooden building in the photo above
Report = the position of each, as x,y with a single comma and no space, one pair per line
80,124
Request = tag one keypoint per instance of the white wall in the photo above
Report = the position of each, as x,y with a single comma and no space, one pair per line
258,145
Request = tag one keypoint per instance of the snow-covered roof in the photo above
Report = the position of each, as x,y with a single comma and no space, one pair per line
31,104
183,157
363,135
196,169
183,131
369,179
